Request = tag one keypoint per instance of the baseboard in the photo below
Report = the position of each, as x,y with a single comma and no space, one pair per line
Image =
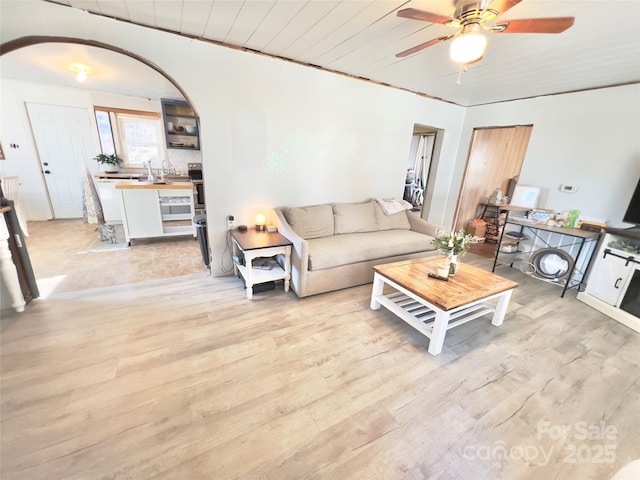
610,311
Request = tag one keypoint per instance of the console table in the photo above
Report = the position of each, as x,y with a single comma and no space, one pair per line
575,239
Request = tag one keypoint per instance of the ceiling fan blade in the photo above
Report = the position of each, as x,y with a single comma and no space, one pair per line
502,6
416,14
534,25
424,45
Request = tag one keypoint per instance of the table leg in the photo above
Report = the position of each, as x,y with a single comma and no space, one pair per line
376,290
235,249
501,308
439,331
287,268
248,259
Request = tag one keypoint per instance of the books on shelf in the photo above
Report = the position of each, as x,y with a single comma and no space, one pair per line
264,263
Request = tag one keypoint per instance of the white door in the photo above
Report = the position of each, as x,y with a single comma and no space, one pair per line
64,140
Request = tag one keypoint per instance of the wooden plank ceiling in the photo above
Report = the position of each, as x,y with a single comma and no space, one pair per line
361,37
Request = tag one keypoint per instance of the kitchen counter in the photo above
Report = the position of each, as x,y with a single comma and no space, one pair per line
154,186
119,176
138,176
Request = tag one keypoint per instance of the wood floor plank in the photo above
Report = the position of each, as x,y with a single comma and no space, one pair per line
186,378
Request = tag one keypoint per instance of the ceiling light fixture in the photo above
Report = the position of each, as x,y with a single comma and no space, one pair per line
81,71
469,46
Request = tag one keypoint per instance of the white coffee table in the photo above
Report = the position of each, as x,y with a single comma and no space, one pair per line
433,306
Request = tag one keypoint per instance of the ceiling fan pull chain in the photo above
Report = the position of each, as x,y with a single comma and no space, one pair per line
463,68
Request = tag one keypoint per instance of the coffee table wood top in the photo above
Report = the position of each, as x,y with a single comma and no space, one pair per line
469,283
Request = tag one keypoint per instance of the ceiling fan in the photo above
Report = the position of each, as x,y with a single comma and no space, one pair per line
471,18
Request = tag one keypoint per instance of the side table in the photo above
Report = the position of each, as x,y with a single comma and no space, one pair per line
253,244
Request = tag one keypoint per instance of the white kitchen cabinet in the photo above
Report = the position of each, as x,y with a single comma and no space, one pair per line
149,210
141,212
110,200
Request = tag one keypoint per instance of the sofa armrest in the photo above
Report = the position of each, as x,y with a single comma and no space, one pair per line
299,252
420,225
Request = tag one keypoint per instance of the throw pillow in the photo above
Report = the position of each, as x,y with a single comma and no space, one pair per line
355,217
310,222
391,206
397,221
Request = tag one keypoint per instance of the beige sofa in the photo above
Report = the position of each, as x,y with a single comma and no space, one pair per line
335,246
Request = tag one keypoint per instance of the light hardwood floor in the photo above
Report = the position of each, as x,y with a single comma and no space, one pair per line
183,378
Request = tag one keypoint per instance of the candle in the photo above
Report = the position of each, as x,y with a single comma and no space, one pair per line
260,222
443,271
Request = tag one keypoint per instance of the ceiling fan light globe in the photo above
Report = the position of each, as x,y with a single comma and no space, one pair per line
468,47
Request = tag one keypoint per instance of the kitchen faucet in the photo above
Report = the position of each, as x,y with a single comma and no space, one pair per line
170,170
150,177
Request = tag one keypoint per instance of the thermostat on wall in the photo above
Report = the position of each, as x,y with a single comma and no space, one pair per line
568,188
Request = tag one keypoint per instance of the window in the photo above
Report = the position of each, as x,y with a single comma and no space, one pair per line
105,133
136,136
140,139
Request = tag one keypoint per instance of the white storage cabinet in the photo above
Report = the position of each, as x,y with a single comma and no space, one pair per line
157,212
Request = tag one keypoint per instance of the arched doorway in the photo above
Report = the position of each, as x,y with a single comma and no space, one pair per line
23,159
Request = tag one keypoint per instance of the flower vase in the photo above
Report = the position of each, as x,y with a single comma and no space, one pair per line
453,264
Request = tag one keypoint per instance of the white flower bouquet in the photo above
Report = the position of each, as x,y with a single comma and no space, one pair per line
453,243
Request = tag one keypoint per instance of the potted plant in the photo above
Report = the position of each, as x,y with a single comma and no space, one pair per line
110,161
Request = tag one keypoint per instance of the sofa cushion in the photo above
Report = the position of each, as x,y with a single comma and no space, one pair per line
354,217
336,250
388,222
310,222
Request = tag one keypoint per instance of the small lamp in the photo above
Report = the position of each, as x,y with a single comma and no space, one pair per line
261,221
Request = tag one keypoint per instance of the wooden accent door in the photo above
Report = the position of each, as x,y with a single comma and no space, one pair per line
496,155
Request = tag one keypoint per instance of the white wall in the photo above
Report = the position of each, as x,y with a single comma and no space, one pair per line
279,134
273,133
590,139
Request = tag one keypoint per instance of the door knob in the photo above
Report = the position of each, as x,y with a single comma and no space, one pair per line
47,172
46,164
